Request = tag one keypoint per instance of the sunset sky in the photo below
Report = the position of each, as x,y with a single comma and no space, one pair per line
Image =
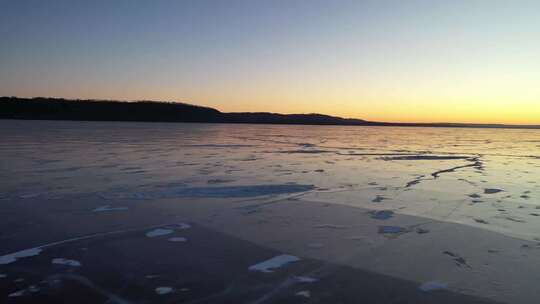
401,61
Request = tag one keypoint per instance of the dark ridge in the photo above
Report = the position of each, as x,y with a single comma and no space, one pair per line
301,119
42,108
104,110
158,111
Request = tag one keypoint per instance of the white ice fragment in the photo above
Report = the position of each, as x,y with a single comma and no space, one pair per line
331,226
274,262
163,290
152,276
33,288
304,293
29,195
305,279
177,239
62,261
180,226
3,276
12,257
17,293
109,208
158,232
354,238
432,286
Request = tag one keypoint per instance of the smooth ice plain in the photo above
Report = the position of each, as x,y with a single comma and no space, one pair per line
177,212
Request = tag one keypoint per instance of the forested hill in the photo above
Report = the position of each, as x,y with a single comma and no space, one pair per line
110,110
160,111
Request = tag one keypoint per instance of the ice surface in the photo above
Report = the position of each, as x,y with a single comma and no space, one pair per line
446,179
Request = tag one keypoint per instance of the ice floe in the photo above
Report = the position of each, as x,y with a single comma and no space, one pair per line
177,239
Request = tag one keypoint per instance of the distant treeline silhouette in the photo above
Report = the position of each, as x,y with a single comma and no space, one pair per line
42,108
110,110
107,110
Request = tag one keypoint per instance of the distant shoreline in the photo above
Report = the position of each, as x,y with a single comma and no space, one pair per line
41,108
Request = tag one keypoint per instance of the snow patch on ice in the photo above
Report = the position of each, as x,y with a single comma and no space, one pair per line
179,226
17,293
163,290
62,261
158,232
331,226
12,257
305,279
275,262
109,208
304,293
432,286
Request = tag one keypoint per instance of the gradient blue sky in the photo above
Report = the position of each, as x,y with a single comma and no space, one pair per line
457,61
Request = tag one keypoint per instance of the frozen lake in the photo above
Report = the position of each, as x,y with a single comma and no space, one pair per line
439,215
